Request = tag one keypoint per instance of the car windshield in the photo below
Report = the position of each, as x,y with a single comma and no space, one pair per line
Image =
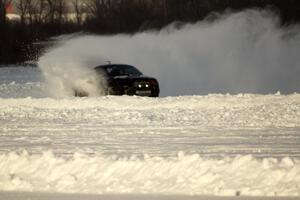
122,70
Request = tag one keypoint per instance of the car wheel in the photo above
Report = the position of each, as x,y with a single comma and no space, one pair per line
78,93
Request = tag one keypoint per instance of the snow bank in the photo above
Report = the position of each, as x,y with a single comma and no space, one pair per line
184,174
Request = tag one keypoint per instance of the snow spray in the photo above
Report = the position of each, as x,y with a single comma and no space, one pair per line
245,52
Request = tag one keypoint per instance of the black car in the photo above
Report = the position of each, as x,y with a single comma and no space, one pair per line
124,79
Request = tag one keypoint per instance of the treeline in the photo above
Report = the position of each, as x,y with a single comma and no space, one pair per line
23,39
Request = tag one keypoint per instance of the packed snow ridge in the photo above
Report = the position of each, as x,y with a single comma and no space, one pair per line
230,111
184,174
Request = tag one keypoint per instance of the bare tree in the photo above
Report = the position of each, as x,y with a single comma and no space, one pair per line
101,8
57,10
24,6
32,11
78,11
2,13
61,9
3,4
37,11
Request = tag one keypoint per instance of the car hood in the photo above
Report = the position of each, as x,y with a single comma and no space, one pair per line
133,77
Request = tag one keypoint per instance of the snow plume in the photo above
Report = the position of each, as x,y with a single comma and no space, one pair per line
67,68
241,52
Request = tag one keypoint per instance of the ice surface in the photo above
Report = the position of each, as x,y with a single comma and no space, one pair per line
56,196
21,82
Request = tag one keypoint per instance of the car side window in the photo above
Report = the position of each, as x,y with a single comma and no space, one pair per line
115,72
108,69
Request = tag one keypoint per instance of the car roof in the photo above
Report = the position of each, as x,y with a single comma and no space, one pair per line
113,65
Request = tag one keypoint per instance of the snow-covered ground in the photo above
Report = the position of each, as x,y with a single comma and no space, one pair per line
224,145
21,82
